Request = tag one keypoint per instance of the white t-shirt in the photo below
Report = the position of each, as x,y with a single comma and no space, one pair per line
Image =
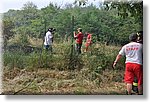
48,38
133,52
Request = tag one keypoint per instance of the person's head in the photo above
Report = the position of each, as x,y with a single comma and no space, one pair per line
50,29
140,35
87,33
79,29
133,37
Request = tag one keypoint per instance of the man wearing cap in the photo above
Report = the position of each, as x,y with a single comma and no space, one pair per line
133,52
79,39
48,40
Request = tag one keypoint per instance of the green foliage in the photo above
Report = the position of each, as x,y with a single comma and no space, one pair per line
97,21
15,60
99,59
7,30
23,40
94,67
105,26
81,2
29,6
71,59
133,8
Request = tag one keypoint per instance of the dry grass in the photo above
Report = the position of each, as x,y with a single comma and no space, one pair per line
95,77
45,81
36,42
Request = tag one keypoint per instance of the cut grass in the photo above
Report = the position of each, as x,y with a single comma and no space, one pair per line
58,82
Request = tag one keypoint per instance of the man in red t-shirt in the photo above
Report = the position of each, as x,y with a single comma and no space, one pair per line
88,41
79,39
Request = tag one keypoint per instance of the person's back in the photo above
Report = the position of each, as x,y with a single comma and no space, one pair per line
79,38
133,52
48,38
133,69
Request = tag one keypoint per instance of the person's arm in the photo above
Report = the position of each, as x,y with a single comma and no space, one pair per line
52,37
90,39
121,53
74,34
46,37
116,60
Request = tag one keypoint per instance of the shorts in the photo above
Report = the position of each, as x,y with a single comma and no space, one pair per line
133,70
87,44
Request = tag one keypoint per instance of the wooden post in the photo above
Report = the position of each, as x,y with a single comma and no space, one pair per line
72,29
72,46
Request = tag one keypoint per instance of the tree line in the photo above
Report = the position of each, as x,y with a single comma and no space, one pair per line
104,21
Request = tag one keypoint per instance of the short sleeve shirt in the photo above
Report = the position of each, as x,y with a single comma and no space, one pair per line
89,38
133,52
79,38
48,38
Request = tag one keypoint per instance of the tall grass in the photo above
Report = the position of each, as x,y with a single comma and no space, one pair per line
92,64
14,59
63,70
100,57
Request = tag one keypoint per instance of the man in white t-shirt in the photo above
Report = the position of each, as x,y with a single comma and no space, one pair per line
48,40
133,52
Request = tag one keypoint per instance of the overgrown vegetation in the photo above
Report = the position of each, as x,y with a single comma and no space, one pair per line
94,67
106,26
29,69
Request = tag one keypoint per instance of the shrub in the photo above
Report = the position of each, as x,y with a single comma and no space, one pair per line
14,59
64,57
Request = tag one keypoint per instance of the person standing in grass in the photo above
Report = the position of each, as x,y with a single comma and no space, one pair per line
133,52
88,41
48,40
79,39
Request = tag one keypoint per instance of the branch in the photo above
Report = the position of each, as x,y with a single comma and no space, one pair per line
25,86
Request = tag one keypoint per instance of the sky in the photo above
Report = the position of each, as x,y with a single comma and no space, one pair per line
5,5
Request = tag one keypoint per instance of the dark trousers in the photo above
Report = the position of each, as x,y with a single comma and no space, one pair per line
48,48
78,48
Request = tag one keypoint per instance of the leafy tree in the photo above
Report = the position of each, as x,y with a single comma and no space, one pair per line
105,25
133,8
81,2
8,33
23,19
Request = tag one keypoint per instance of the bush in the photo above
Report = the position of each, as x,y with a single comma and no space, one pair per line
64,57
15,59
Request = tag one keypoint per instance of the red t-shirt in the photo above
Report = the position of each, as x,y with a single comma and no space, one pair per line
89,39
79,38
